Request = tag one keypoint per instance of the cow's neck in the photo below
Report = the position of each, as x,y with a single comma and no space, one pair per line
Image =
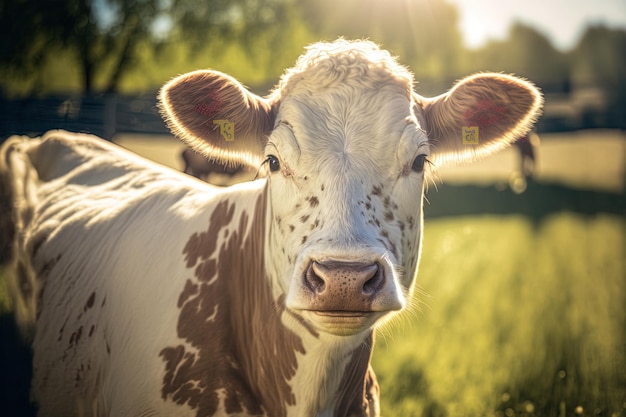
331,378
305,375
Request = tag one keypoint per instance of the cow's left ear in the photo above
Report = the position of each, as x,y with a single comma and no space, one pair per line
215,115
481,114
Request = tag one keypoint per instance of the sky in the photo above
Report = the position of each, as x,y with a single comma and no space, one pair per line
563,21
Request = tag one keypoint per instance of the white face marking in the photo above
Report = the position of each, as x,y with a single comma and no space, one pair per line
345,191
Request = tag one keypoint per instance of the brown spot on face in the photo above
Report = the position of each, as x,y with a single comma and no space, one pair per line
90,301
62,330
304,218
377,190
292,227
75,337
220,320
314,201
389,216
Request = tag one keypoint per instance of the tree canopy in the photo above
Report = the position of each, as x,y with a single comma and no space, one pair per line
134,45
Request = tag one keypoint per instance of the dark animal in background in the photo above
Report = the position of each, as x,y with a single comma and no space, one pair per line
199,166
528,148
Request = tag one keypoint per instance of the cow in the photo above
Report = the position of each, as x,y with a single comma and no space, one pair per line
148,293
199,166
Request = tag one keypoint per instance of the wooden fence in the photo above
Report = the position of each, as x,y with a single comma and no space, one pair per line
103,115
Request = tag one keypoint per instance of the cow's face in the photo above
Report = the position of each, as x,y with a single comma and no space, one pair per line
345,143
346,165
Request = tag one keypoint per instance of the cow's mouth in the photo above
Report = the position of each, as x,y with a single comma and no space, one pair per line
343,323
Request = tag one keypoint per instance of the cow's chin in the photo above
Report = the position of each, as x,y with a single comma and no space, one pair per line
342,323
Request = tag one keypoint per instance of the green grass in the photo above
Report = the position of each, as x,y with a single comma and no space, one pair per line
521,319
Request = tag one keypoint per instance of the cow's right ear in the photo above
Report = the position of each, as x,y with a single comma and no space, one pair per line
215,115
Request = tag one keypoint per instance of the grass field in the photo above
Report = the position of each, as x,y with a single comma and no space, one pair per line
521,311
521,319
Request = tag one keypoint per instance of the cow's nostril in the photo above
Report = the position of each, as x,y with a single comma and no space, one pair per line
313,278
375,283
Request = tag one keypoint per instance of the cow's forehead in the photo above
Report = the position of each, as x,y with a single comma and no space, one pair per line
351,121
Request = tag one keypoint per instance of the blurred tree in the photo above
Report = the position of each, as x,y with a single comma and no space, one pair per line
599,61
526,52
263,29
599,57
103,35
97,31
423,33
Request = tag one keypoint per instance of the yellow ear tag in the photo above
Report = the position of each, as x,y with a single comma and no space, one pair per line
470,135
227,129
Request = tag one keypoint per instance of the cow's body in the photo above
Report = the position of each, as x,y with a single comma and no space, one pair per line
151,293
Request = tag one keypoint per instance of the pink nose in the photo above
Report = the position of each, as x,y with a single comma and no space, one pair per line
343,286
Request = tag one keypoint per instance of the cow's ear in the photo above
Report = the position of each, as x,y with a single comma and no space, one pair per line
215,115
481,114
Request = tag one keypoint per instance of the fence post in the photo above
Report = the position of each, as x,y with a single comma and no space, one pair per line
109,118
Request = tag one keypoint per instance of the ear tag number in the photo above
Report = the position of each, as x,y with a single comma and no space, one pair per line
470,135
227,129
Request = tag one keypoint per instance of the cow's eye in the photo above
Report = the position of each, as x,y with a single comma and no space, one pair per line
273,163
418,163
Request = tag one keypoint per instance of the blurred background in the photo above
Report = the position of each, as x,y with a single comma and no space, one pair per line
521,305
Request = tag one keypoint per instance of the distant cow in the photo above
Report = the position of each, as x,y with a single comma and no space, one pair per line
150,294
199,166
527,147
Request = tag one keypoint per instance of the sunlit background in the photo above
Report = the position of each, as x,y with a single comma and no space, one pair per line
521,307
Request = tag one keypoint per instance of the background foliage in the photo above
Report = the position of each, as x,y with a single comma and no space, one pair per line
132,46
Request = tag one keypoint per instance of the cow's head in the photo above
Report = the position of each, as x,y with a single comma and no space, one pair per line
345,142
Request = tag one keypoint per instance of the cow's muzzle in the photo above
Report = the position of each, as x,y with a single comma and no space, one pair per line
347,297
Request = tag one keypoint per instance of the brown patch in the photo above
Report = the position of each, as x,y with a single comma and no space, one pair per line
90,301
359,388
377,190
75,337
411,221
301,320
314,201
221,319
304,218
